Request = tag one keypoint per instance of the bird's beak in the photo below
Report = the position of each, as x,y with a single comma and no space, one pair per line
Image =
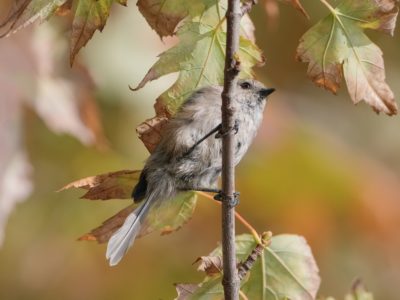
265,92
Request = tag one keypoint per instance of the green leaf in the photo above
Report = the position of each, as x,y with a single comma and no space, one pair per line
337,46
170,215
164,15
27,12
286,270
199,57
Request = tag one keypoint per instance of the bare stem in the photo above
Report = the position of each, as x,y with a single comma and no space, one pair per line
257,252
230,280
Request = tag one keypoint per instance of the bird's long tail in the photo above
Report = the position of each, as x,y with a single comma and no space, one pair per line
124,237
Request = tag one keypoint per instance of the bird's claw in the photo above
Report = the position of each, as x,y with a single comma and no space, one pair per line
233,201
222,133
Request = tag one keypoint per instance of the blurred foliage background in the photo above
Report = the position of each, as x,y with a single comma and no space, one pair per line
320,167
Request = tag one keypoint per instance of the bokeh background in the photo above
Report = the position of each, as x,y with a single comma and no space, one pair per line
320,167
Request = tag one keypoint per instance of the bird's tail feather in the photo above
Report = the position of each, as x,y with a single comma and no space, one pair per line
124,237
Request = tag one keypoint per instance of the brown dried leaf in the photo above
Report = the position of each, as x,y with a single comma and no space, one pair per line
150,131
212,265
103,233
113,185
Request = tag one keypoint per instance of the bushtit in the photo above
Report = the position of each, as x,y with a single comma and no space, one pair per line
188,157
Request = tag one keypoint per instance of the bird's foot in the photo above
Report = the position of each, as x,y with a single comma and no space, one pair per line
221,133
232,201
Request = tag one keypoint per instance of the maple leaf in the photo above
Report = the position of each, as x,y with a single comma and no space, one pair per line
89,16
285,270
199,57
166,217
337,46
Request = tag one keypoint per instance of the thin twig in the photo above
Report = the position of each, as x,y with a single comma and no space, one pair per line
246,266
230,280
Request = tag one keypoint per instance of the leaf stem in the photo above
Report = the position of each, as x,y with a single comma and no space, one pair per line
330,7
239,217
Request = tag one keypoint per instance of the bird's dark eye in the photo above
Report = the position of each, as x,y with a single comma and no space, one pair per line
245,85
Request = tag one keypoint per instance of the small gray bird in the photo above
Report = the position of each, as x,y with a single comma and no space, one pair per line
188,157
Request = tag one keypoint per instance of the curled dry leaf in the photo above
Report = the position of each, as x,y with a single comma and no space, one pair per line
113,185
337,46
150,131
212,265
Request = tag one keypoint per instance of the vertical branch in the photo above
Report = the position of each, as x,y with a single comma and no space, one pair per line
230,279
